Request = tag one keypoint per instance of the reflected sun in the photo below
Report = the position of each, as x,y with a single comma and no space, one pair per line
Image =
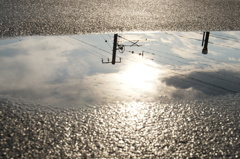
140,76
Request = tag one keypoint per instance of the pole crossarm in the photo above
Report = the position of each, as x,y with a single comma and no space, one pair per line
133,43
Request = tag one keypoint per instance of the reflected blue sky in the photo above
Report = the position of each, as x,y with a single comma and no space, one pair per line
68,70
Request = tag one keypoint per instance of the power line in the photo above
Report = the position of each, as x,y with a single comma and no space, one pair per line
192,78
106,42
169,55
208,42
188,63
91,45
186,51
195,65
89,50
93,53
225,37
183,36
110,38
225,46
201,80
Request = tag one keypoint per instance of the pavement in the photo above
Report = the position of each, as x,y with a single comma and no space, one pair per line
165,129
203,128
61,17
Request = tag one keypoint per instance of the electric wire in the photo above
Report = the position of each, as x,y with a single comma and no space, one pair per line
222,38
192,78
95,47
197,66
91,51
110,38
85,47
203,74
225,37
133,43
91,45
192,60
169,53
198,80
183,36
195,79
210,42
106,42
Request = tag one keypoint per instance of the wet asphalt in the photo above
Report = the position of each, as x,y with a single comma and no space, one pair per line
206,128
164,129
58,17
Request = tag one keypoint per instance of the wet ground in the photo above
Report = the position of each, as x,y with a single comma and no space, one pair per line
164,100
165,129
55,17
57,101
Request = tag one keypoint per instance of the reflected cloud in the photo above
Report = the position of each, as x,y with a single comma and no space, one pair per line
68,70
204,84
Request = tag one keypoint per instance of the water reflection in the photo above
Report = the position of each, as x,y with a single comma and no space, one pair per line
140,77
133,107
68,70
205,42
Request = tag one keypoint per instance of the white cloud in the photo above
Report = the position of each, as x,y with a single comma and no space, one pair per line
234,59
56,70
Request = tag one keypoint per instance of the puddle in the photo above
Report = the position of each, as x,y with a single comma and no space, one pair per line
73,70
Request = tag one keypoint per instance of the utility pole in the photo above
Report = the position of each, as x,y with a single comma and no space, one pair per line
114,51
205,41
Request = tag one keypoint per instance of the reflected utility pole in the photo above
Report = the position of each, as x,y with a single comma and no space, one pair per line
114,49
120,48
205,42
114,52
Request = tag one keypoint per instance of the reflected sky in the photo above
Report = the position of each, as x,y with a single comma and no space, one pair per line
68,70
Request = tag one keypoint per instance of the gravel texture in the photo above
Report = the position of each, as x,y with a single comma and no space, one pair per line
208,128
57,17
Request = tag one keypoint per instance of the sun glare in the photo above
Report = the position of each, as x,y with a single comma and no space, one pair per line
140,76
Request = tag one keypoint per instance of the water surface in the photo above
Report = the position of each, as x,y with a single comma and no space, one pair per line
165,99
